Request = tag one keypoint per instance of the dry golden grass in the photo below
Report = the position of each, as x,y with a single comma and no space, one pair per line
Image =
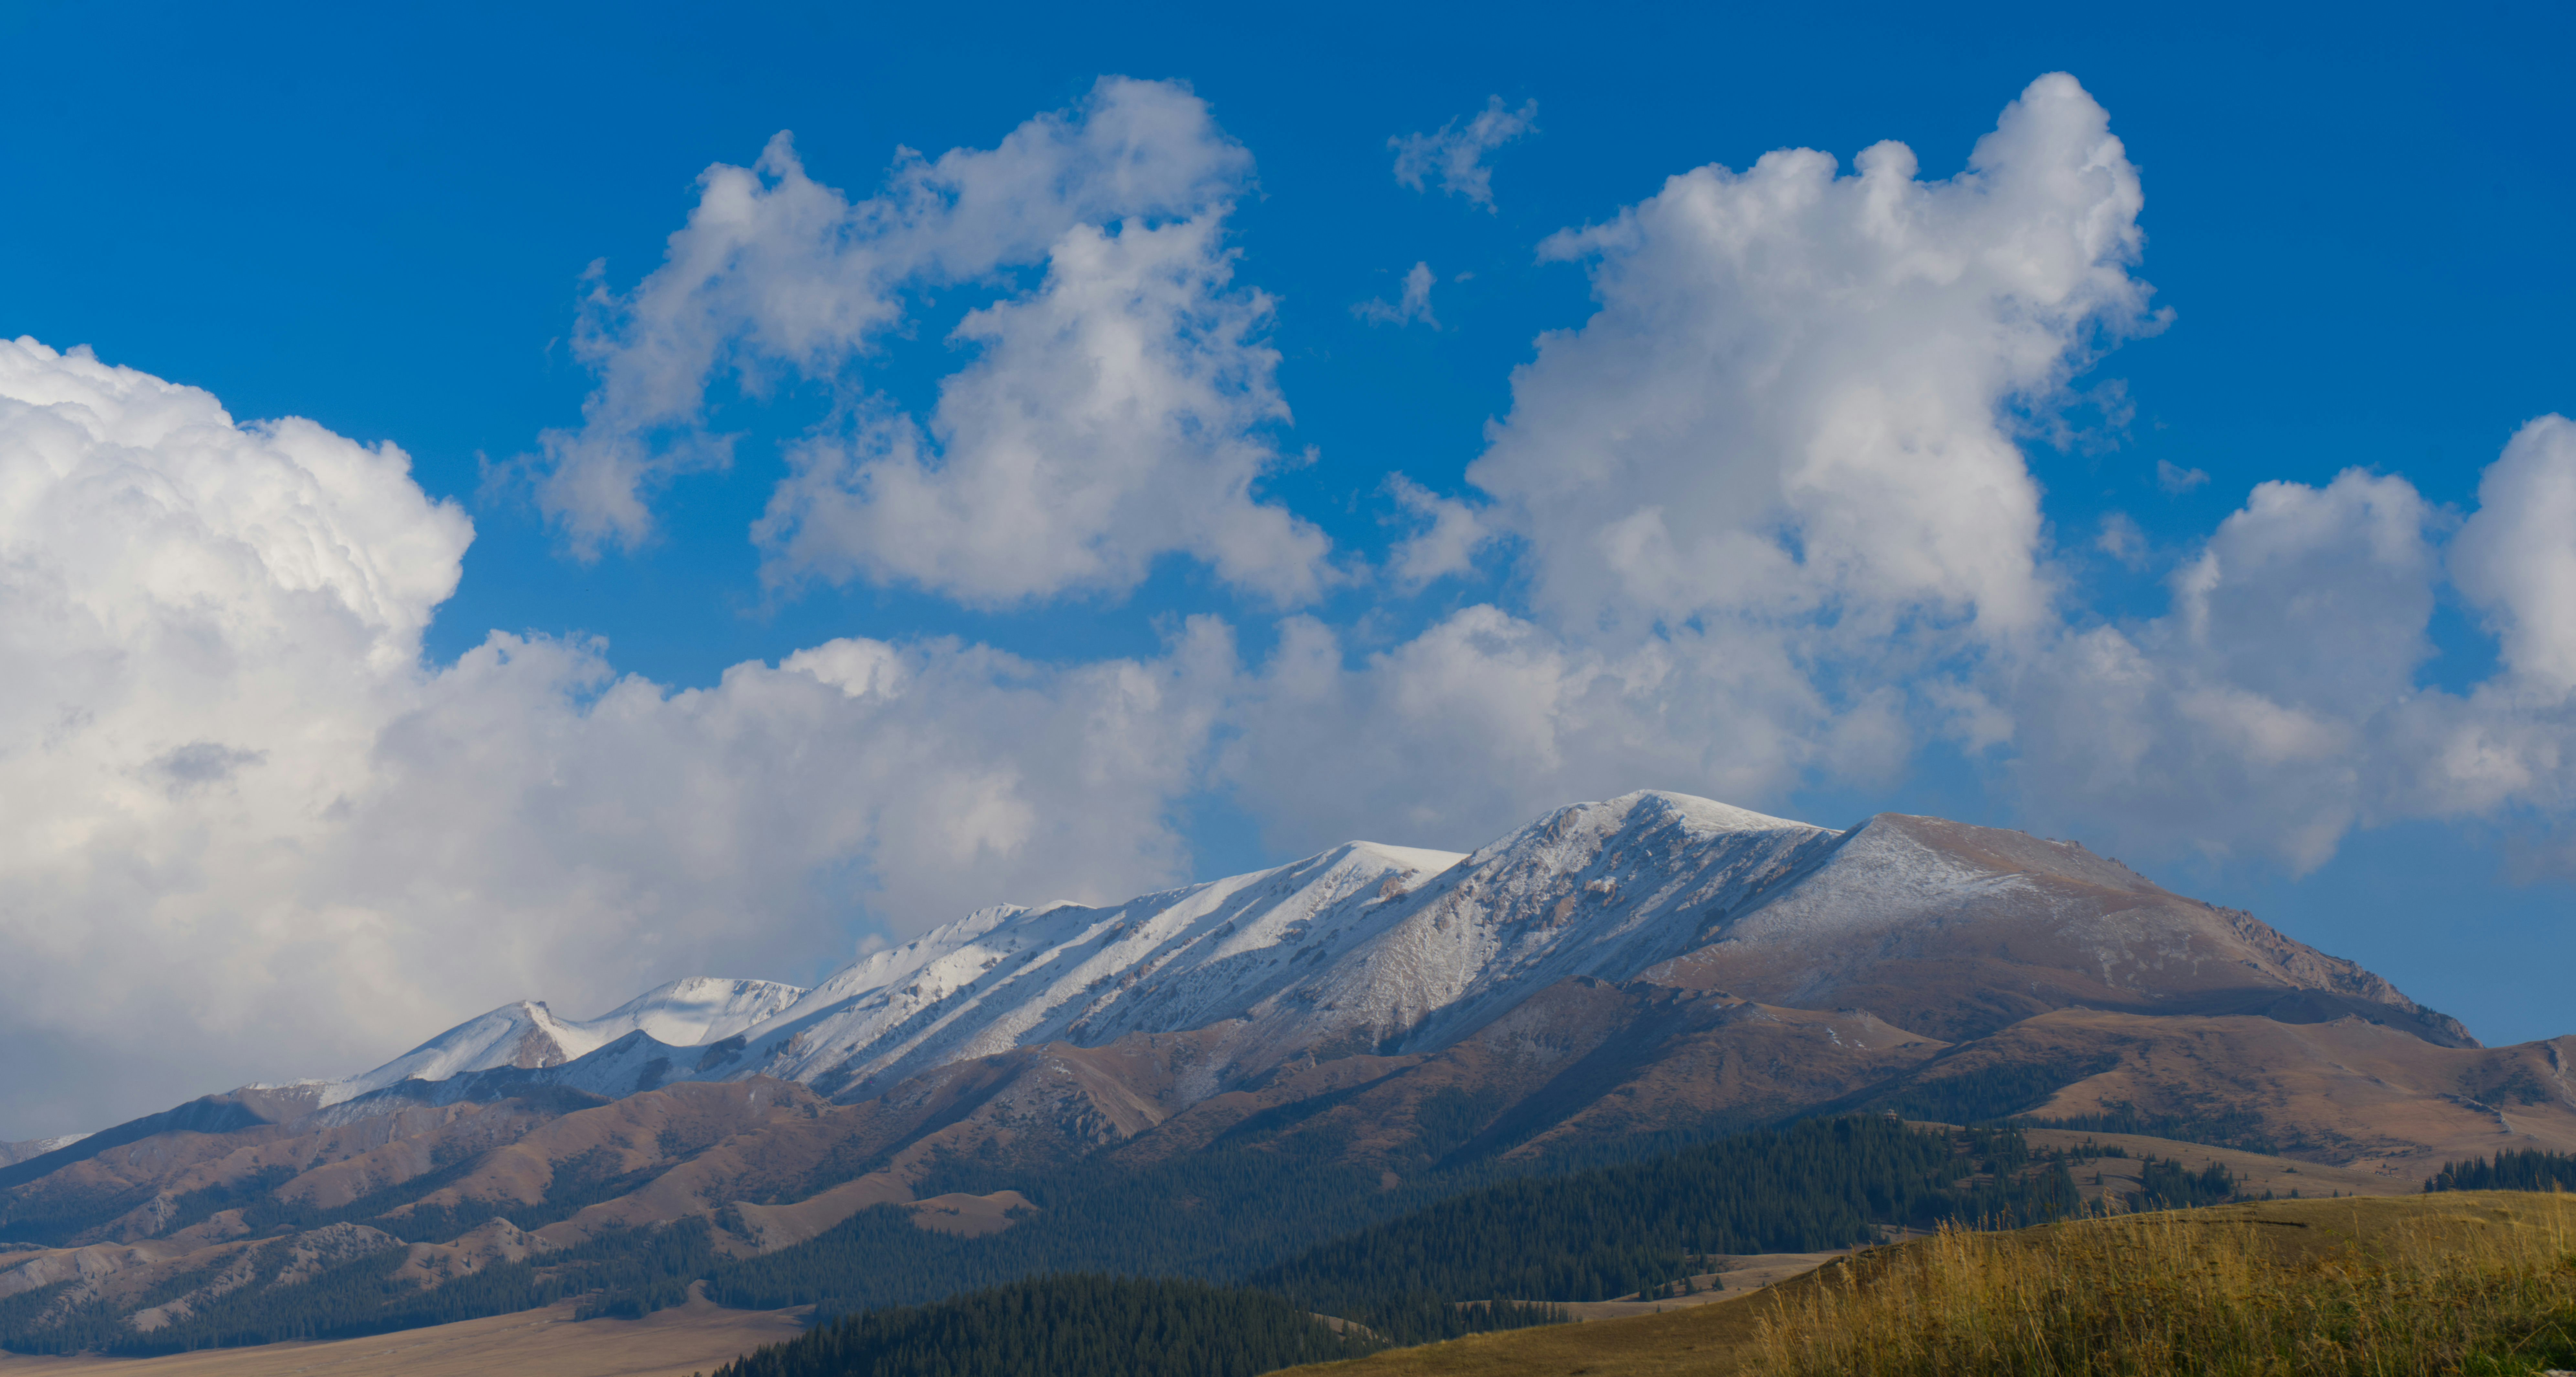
694,1338
2395,1285
2210,1291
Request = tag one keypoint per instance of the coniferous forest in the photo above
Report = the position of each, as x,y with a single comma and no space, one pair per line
2529,1169
1060,1326
1521,1243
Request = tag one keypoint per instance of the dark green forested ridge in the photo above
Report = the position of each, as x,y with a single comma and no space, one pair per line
1523,1242
1214,1213
1614,1231
2164,1185
2216,1126
1064,1326
2528,1169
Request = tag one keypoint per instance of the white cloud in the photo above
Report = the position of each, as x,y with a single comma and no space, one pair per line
1797,396
1455,157
2176,479
2122,539
2279,703
1775,530
1446,546
245,832
2252,718
2516,558
1768,502
1120,411
1116,414
775,271
1414,305
1453,737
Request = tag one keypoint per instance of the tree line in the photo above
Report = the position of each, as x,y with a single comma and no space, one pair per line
2525,1169
1066,1326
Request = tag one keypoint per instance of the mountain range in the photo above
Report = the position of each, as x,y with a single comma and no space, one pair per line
1655,968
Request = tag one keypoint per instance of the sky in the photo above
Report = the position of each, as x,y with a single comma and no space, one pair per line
509,502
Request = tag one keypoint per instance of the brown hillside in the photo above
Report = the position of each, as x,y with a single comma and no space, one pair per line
2351,1093
1959,931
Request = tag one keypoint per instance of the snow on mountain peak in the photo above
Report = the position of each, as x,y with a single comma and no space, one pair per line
528,1035
697,1010
1366,941
1601,889
1372,947
1009,976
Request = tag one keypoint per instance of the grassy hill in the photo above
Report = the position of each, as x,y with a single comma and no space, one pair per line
2474,1282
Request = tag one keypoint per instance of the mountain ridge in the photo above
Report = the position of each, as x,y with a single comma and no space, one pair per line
1410,948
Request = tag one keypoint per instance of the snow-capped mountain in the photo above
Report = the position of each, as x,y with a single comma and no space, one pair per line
527,1035
1384,948
1612,973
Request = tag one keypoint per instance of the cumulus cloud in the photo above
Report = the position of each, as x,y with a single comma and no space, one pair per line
1413,305
2256,715
2516,558
1798,394
1445,545
1454,158
1116,414
1775,529
1456,735
1129,391
1770,484
2279,703
247,832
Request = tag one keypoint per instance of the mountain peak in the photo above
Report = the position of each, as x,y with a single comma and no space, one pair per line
527,1035
1585,824
1944,928
698,1009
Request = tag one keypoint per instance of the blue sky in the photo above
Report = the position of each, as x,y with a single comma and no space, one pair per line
2353,258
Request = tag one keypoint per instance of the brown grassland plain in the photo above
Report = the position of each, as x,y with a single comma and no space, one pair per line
2473,1283
697,1337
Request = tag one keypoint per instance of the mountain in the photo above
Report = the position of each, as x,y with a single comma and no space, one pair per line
1936,927
1206,1076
